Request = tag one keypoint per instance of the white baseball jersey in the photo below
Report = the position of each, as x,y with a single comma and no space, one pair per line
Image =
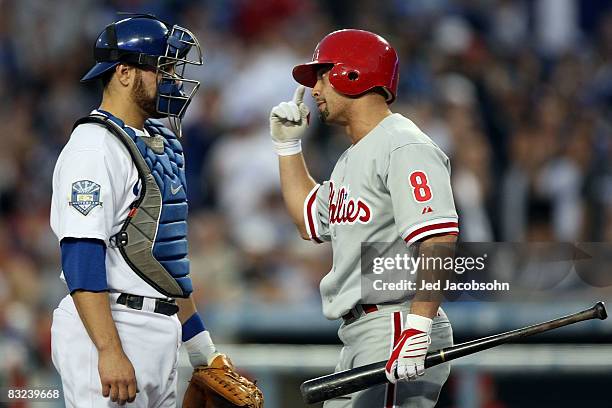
94,183
394,184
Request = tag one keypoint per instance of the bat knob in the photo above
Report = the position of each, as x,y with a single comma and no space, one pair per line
600,310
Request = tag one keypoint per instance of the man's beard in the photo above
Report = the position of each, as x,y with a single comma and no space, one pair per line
145,102
324,114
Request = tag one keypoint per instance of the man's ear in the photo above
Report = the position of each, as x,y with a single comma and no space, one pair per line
124,73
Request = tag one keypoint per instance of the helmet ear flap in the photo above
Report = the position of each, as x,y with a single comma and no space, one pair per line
347,79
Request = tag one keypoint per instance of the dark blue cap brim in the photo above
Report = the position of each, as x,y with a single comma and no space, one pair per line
97,70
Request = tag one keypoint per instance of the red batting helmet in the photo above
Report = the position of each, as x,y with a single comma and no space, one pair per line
361,61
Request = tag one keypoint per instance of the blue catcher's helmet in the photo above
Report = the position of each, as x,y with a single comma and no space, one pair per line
143,40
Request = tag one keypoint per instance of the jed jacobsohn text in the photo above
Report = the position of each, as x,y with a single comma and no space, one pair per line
412,264
446,285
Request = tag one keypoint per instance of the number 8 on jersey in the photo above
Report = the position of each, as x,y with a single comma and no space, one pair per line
420,186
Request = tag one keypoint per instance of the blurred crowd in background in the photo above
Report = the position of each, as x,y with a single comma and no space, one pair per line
517,93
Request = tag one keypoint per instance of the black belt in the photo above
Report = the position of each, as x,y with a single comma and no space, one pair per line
166,307
357,312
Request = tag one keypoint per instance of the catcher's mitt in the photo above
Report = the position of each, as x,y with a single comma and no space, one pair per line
220,386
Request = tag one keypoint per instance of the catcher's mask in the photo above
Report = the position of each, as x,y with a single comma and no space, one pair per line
143,40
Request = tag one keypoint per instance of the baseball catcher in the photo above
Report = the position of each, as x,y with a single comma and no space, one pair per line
119,211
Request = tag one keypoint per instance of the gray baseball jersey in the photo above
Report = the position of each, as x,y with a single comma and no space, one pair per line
394,184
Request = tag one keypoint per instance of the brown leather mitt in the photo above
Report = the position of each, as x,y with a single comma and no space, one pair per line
220,386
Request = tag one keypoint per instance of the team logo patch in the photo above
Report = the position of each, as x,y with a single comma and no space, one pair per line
85,196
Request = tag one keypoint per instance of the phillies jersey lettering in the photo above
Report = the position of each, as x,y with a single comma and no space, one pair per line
344,209
394,184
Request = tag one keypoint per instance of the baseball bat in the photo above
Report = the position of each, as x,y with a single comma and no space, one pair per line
359,378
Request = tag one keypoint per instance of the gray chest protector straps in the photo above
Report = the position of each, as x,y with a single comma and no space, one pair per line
153,238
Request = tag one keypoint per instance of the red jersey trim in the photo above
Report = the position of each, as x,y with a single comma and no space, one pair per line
434,227
310,208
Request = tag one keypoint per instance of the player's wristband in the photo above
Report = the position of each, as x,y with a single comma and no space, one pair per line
288,148
201,349
422,323
192,326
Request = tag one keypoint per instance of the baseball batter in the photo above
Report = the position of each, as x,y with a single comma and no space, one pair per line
392,183
119,211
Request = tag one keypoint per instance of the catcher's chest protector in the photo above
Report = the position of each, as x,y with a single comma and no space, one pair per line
153,238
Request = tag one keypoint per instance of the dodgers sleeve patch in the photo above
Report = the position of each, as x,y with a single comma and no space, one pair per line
85,196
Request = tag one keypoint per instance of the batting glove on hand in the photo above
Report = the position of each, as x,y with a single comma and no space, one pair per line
288,121
407,360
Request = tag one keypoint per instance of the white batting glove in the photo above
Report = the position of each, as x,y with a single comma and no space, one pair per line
201,349
407,360
288,121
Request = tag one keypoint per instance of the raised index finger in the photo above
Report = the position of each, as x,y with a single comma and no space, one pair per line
298,96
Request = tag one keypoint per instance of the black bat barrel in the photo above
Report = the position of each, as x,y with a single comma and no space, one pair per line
343,382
